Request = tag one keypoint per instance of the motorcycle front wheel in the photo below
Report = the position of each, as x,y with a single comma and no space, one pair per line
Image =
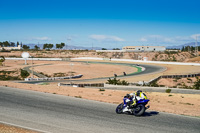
119,108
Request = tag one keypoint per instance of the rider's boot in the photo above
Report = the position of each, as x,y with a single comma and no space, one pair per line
125,109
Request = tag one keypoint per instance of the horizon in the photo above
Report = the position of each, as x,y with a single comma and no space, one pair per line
106,24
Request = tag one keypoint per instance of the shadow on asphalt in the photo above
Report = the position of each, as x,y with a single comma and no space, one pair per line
150,113
146,114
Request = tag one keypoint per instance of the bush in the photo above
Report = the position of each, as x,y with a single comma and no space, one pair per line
24,73
168,90
4,75
154,84
7,77
117,82
197,84
101,89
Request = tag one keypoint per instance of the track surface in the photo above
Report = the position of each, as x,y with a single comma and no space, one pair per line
59,114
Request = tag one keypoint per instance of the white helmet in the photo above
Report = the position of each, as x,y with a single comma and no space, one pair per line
132,94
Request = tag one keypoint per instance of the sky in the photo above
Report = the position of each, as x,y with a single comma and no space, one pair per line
100,23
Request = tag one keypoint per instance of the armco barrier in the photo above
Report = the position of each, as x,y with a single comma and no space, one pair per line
174,76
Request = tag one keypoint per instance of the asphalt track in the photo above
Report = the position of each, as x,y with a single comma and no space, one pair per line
61,114
148,70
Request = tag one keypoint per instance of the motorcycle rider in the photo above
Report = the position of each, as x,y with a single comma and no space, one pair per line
137,96
131,99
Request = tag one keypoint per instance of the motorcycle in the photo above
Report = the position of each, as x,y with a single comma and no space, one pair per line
136,110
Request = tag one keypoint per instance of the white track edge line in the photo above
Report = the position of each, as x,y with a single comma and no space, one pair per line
28,128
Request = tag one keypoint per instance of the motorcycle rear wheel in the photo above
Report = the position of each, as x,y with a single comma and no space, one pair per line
139,110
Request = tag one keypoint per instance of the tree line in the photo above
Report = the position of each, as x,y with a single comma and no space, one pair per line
46,46
9,44
189,48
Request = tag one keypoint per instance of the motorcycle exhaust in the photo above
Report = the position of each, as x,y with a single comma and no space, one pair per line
147,107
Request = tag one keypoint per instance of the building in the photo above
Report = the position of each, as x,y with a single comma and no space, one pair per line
11,48
143,48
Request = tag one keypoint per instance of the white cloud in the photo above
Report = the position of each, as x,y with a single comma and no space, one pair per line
158,39
194,36
71,37
106,38
42,38
143,40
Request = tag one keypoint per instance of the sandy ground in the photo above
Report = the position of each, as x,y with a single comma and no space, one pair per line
12,129
173,82
87,70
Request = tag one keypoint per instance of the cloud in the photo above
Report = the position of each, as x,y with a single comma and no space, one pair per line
71,37
158,39
143,40
106,38
194,36
42,38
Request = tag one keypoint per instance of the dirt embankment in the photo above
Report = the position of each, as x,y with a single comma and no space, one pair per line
152,56
186,83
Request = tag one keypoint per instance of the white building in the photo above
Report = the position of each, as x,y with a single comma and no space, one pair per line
143,48
11,48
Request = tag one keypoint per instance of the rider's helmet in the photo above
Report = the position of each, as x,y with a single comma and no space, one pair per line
138,93
127,96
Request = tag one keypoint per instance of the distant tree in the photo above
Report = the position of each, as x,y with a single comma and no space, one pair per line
25,47
36,47
50,46
192,48
183,49
104,49
47,46
12,44
1,44
17,43
6,44
60,46
187,48
116,49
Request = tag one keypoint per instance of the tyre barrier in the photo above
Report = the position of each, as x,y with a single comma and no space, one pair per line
83,85
54,78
